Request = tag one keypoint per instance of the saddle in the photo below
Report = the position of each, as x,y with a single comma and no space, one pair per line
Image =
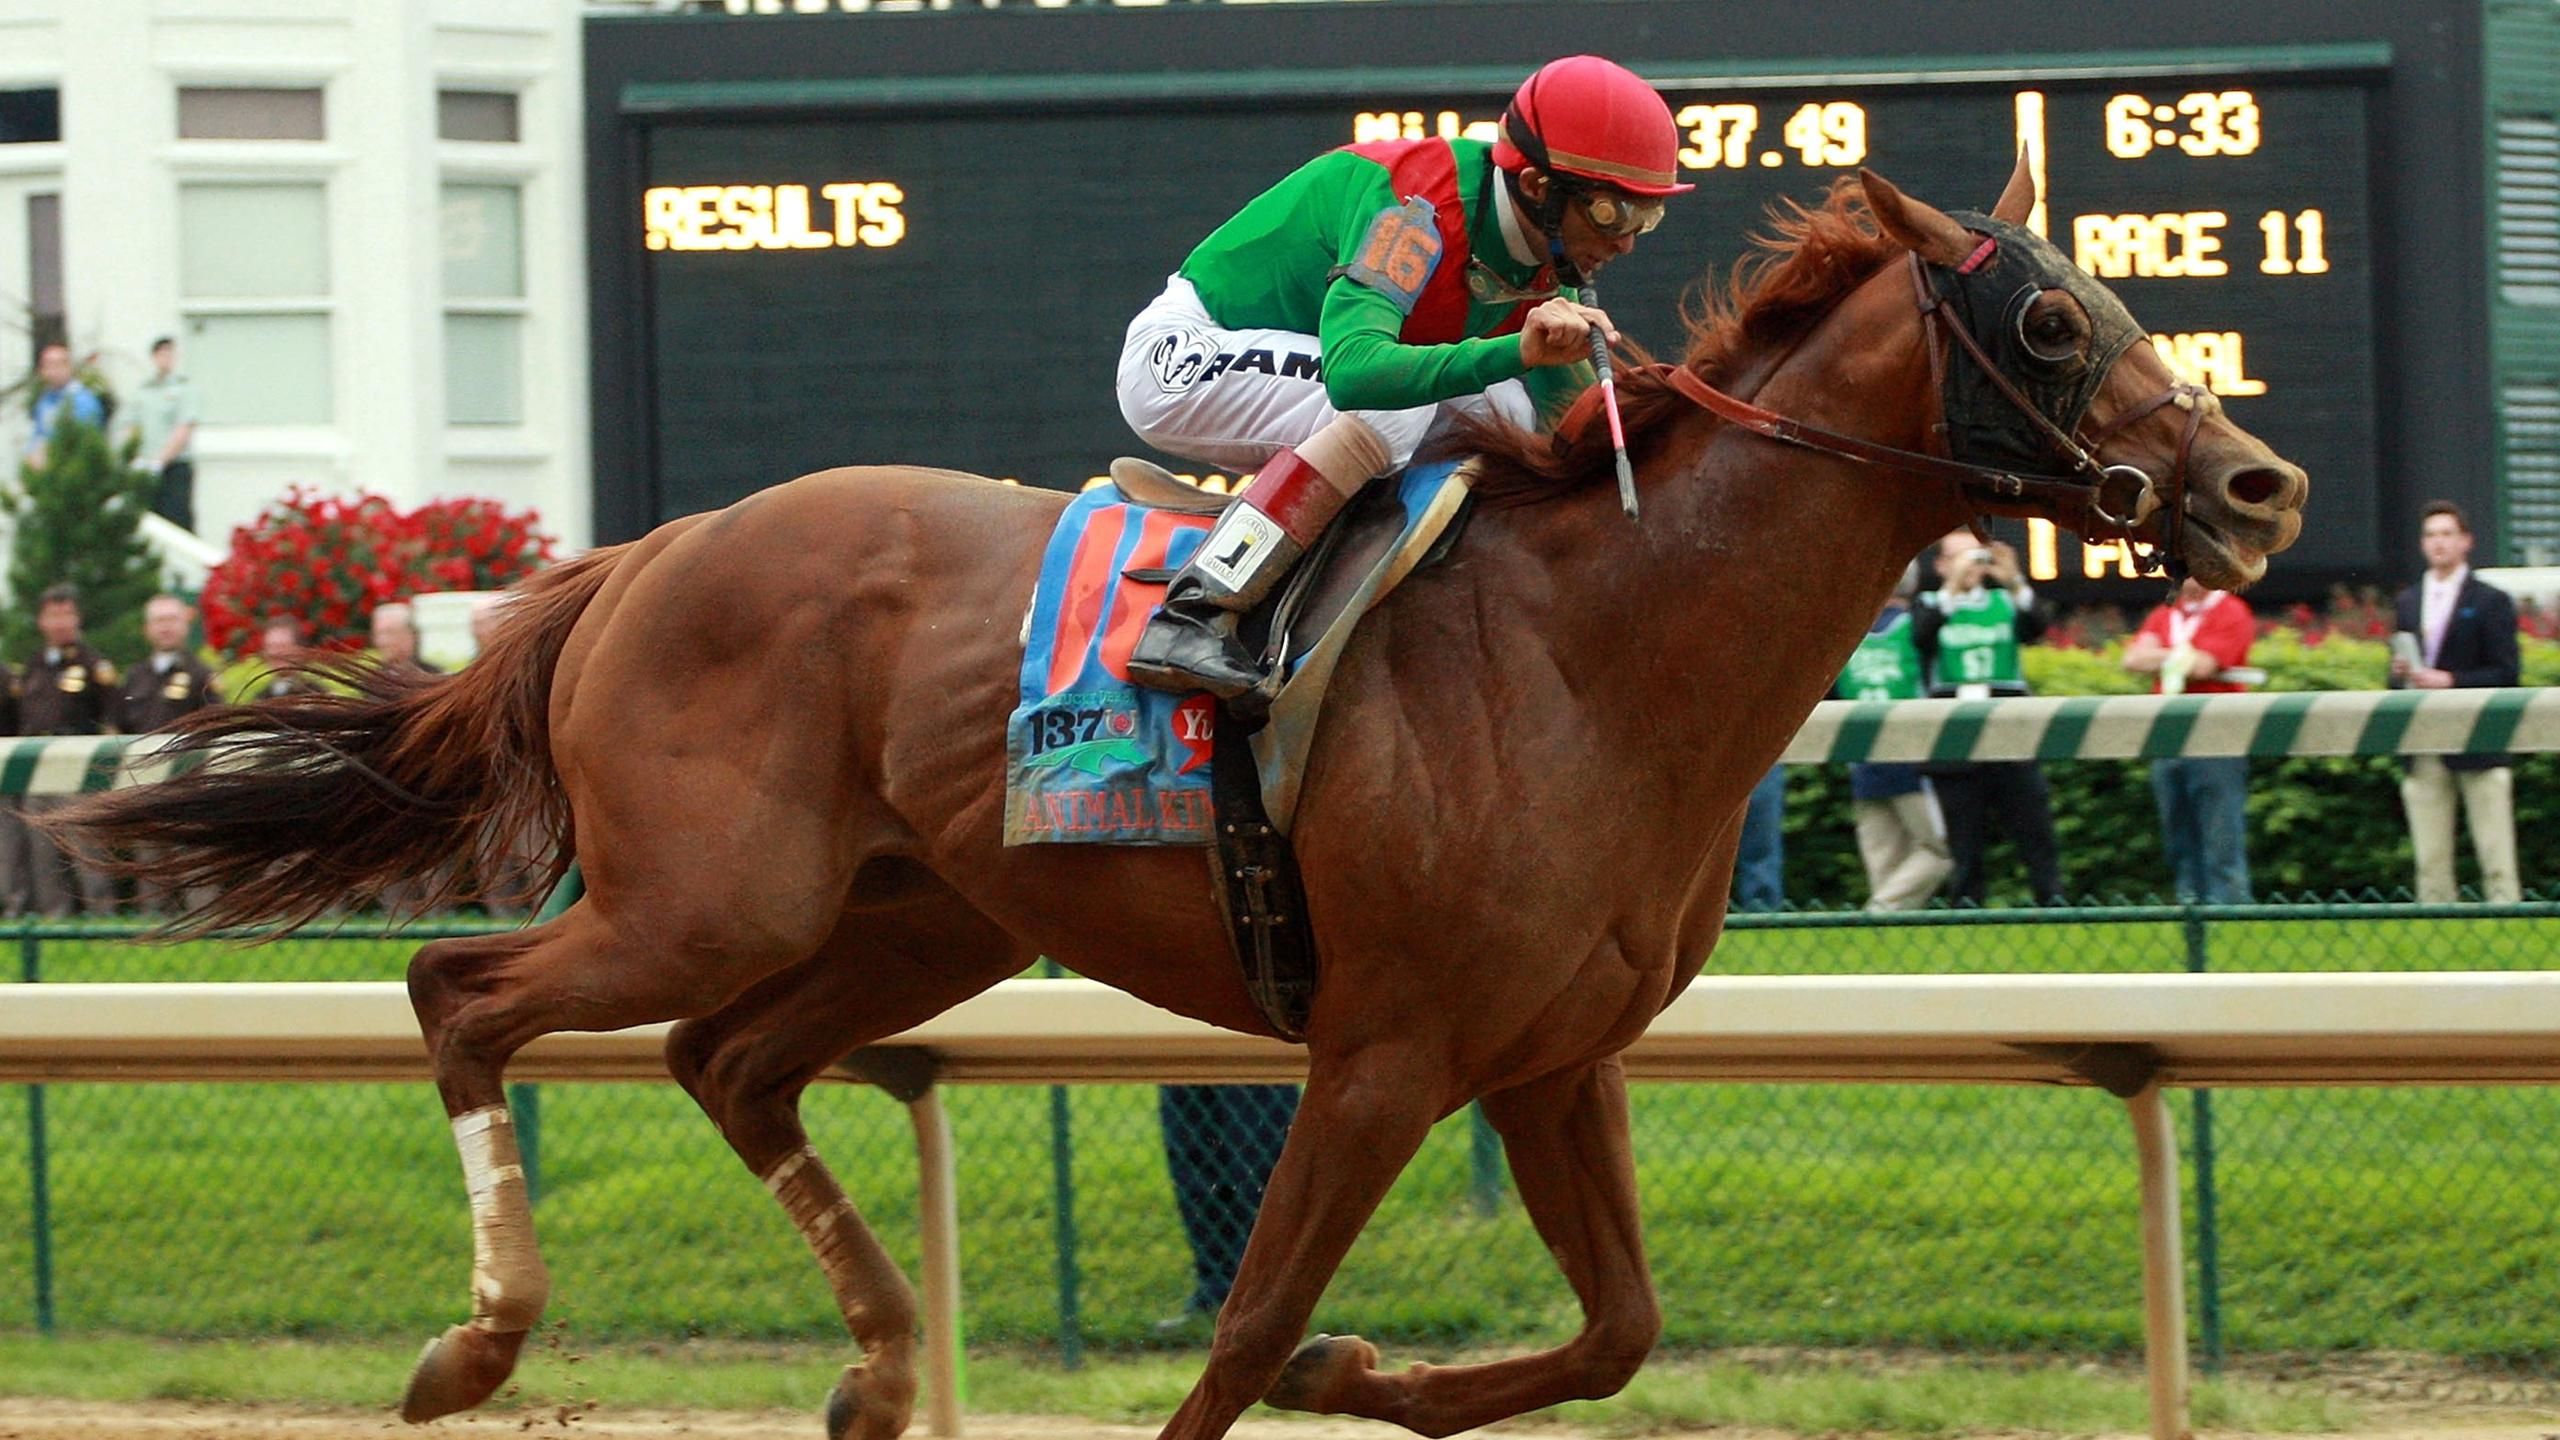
1094,759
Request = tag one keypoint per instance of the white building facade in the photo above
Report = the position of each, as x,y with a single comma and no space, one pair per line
360,219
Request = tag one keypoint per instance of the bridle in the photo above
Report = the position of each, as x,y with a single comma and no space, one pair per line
2090,487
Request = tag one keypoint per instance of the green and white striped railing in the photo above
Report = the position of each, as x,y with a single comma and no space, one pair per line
2125,727
76,764
2079,727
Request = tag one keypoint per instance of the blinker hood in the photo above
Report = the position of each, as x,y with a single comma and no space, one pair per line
1991,302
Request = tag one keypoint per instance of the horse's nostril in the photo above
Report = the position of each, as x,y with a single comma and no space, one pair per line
2255,487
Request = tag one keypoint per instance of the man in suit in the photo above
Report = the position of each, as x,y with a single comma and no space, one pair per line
2466,633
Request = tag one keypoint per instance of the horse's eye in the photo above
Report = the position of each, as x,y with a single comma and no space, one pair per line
2051,336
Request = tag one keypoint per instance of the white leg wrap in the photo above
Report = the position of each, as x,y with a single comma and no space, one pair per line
509,1285
854,1264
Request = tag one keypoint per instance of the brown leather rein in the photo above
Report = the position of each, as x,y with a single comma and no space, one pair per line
2084,493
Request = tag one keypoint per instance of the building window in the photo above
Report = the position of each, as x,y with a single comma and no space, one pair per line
254,278
48,324
486,117
30,117
2527,209
484,305
217,113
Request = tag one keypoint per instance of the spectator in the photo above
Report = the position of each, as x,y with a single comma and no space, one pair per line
2192,644
1760,861
15,889
395,639
173,681
280,645
164,419
1968,632
1902,839
2464,635
59,392
1220,1142
67,691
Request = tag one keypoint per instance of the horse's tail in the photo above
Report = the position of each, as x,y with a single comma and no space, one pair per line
305,802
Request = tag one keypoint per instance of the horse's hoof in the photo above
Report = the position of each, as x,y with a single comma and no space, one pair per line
841,1409
1318,1371
867,1406
459,1369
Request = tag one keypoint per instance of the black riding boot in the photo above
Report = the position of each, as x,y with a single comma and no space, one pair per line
1191,644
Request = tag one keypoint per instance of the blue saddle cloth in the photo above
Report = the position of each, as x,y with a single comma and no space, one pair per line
1091,758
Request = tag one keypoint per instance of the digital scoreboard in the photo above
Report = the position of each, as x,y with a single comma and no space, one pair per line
950,286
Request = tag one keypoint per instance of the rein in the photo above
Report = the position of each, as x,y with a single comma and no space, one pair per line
2083,492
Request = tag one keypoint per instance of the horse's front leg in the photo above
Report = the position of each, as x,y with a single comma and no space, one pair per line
1567,1139
1361,1120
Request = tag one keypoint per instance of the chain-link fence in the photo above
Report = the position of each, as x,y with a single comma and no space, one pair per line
1989,1222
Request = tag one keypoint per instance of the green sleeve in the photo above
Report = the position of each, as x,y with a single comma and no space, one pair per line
1367,368
1554,388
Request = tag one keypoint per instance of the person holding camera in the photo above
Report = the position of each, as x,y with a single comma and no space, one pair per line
1968,631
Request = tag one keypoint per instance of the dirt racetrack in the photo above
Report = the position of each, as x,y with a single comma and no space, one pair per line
73,1420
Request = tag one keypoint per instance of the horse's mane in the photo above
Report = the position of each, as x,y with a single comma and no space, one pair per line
1790,278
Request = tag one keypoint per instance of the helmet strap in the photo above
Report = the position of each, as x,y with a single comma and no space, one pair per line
1548,216
1547,213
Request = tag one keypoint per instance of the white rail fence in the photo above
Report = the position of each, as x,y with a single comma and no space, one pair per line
2130,1035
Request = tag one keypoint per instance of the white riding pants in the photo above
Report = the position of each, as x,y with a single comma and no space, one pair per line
1229,398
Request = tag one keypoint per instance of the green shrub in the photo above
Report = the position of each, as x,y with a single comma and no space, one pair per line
77,519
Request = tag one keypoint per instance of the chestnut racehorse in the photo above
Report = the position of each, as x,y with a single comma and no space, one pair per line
772,738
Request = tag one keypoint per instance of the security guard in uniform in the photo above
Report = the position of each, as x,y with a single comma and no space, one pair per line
66,689
169,684
172,682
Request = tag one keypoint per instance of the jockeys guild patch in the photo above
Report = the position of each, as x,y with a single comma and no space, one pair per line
1090,757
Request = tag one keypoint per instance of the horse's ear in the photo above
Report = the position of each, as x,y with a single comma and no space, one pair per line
2018,200
1917,225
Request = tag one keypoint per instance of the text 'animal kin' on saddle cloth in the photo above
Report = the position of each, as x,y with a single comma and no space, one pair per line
1092,758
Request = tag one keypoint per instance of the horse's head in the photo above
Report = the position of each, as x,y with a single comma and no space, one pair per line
2045,373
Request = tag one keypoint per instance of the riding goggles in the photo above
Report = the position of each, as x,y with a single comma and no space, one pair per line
1619,215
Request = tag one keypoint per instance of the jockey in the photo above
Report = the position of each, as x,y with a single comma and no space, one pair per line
1347,313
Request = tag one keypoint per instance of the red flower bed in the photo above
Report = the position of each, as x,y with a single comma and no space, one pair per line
330,561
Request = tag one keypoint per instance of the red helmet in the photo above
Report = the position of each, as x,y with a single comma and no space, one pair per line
1595,119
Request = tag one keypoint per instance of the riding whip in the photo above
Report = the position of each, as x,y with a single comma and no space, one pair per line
1609,402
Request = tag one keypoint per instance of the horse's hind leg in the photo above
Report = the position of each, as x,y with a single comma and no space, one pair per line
747,1065
481,998
1566,1137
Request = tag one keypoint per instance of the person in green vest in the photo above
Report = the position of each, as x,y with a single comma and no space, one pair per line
1967,632
1348,313
1902,838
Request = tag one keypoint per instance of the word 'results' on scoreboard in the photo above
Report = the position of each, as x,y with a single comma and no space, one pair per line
857,236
